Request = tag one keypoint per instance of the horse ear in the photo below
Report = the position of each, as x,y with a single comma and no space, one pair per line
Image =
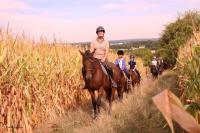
82,53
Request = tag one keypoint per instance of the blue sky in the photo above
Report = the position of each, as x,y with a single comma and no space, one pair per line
76,20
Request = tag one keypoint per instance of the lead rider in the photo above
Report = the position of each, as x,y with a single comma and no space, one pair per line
100,47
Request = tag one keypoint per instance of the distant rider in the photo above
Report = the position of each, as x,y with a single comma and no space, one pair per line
154,62
132,64
120,61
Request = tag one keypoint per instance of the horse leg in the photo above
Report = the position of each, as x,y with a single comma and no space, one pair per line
133,84
111,98
100,93
126,88
92,93
120,92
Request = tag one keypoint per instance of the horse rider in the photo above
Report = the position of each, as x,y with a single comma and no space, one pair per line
160,61
100,47
132,64
121,63
154,62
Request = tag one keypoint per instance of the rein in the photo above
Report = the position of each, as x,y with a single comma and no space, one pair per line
91,60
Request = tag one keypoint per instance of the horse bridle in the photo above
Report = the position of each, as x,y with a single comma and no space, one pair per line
90,69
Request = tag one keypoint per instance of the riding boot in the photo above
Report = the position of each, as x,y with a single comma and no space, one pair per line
110,74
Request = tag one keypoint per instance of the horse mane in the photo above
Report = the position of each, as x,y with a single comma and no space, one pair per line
88,55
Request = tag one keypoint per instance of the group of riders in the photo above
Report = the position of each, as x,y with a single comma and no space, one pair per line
157,66
101,75
100,47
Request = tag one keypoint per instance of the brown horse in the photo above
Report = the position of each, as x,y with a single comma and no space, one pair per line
134,77
96,80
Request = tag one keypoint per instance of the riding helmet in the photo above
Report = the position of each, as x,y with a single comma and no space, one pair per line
132,56
100,28
120,52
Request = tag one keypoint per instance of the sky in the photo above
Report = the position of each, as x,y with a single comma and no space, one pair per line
76,20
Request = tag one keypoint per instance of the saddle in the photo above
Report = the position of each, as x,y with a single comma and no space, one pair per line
109,72
136,72
133,70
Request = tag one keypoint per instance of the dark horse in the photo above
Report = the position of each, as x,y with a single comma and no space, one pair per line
97,80
134,77
154,71
160,67
135,80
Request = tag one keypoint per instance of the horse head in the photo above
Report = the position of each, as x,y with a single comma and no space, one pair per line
87,54
87,60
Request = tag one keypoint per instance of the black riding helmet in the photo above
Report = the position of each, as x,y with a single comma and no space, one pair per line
120,52
100,28
132,56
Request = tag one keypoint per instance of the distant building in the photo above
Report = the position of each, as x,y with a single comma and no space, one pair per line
124,49
116,43
142,46
133,48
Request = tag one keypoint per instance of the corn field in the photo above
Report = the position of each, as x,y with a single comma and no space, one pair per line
37,81
189,81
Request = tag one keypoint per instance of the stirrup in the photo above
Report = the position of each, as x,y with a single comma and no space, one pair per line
114,84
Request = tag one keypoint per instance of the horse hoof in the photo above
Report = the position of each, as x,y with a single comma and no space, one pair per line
96,115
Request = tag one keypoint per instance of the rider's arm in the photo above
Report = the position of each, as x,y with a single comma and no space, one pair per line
124,65
107,51
116,62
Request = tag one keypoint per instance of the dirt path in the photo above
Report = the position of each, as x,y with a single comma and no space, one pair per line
136,114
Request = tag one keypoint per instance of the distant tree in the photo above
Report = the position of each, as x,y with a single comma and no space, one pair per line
164,53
